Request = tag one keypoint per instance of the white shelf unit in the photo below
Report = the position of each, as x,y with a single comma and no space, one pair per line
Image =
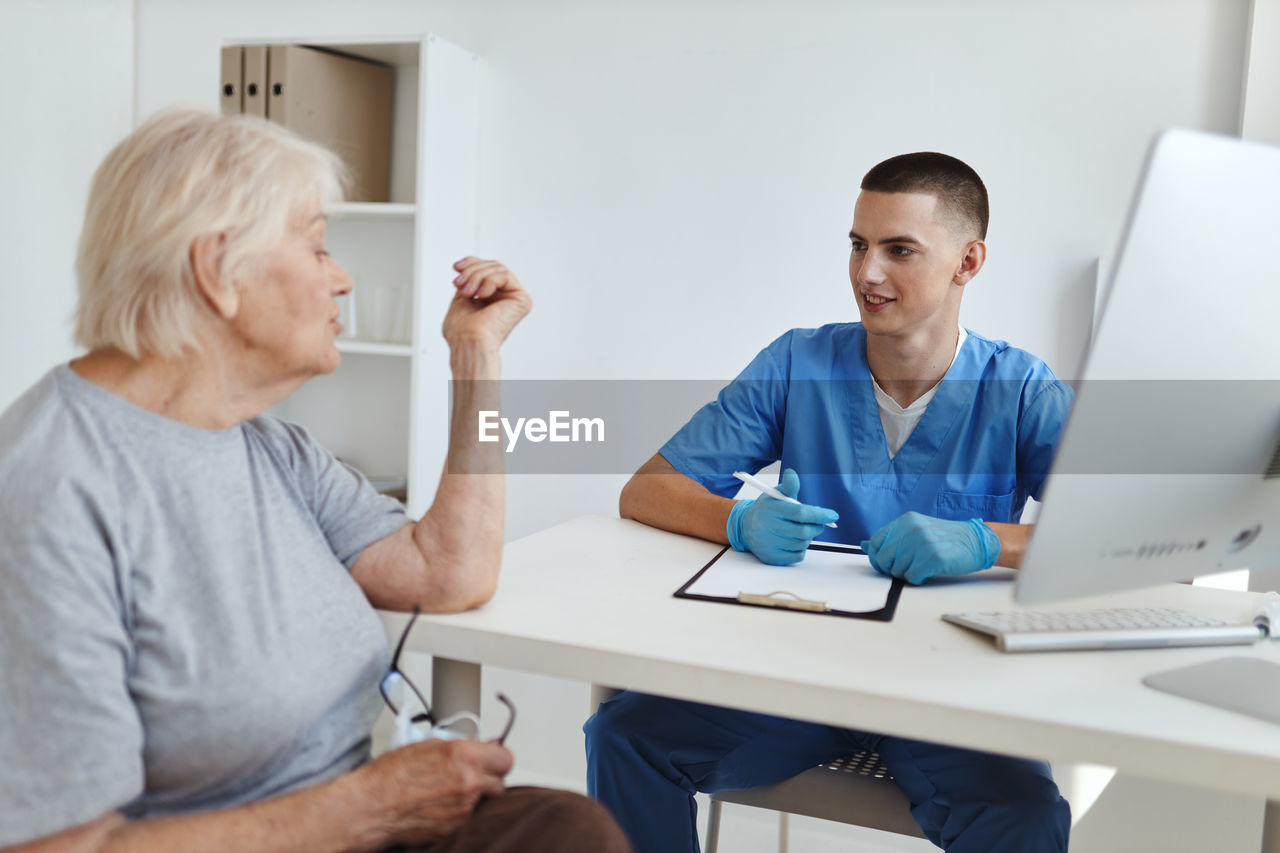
385,409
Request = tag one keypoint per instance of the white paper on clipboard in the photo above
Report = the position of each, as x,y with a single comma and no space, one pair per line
842,580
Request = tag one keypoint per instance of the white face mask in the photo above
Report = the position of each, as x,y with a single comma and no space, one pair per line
414,720
407,731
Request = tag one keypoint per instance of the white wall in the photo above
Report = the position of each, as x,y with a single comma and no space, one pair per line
67,96
644,164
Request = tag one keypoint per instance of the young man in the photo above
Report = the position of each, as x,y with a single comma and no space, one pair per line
925,441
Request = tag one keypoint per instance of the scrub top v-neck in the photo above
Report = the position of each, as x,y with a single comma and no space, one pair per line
898,421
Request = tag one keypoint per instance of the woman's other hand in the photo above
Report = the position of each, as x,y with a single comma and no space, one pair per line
429,789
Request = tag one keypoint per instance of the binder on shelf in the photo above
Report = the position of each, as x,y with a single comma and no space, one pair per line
340,101
232,85
255,80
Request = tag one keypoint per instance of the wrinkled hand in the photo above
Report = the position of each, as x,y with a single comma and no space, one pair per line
488,304
430,788
916,547
777,532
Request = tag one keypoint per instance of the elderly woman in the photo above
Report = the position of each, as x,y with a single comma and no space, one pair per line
189,653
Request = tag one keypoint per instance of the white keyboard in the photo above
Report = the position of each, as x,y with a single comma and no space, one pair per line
1110,628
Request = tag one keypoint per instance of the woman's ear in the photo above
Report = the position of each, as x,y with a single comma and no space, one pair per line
206,255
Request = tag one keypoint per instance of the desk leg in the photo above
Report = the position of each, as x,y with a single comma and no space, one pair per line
600,693
455,686
1271,827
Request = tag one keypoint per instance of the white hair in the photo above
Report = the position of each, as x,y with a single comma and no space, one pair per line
183,174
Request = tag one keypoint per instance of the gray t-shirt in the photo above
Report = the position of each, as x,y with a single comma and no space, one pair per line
179,629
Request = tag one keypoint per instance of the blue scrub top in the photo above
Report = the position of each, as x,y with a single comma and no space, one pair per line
982,447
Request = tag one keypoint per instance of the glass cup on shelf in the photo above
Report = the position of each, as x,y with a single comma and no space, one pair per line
380,307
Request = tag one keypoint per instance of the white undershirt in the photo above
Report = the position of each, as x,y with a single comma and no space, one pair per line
899,422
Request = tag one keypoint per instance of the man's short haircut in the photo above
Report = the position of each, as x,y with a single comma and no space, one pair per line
956,186
183,174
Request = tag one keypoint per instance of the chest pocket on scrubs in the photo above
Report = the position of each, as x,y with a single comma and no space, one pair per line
959,506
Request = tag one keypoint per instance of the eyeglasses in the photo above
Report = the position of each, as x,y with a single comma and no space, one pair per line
411,709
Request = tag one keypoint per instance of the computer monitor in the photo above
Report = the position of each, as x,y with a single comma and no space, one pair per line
1169,466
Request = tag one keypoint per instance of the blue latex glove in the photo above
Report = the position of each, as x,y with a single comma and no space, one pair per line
777,532
916,547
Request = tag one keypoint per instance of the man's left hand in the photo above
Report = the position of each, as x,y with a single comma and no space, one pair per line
916,547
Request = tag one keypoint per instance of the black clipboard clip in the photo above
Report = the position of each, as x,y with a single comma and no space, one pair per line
773,599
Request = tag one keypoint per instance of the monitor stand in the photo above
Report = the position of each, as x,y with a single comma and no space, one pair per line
1238,683
1242,684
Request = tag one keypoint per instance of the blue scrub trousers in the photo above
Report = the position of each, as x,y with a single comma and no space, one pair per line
646,756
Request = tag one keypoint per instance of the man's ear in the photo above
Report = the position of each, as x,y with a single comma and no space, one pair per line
206,255
975,255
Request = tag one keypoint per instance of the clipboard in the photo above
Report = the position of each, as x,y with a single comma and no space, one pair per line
822,586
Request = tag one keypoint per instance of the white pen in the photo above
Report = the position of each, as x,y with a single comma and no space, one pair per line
769,490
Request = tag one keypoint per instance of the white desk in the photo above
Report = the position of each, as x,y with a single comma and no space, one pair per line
592,600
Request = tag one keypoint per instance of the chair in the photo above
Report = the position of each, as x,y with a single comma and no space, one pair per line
856,790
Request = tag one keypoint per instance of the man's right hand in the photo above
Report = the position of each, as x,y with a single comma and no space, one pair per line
777,532
429,789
